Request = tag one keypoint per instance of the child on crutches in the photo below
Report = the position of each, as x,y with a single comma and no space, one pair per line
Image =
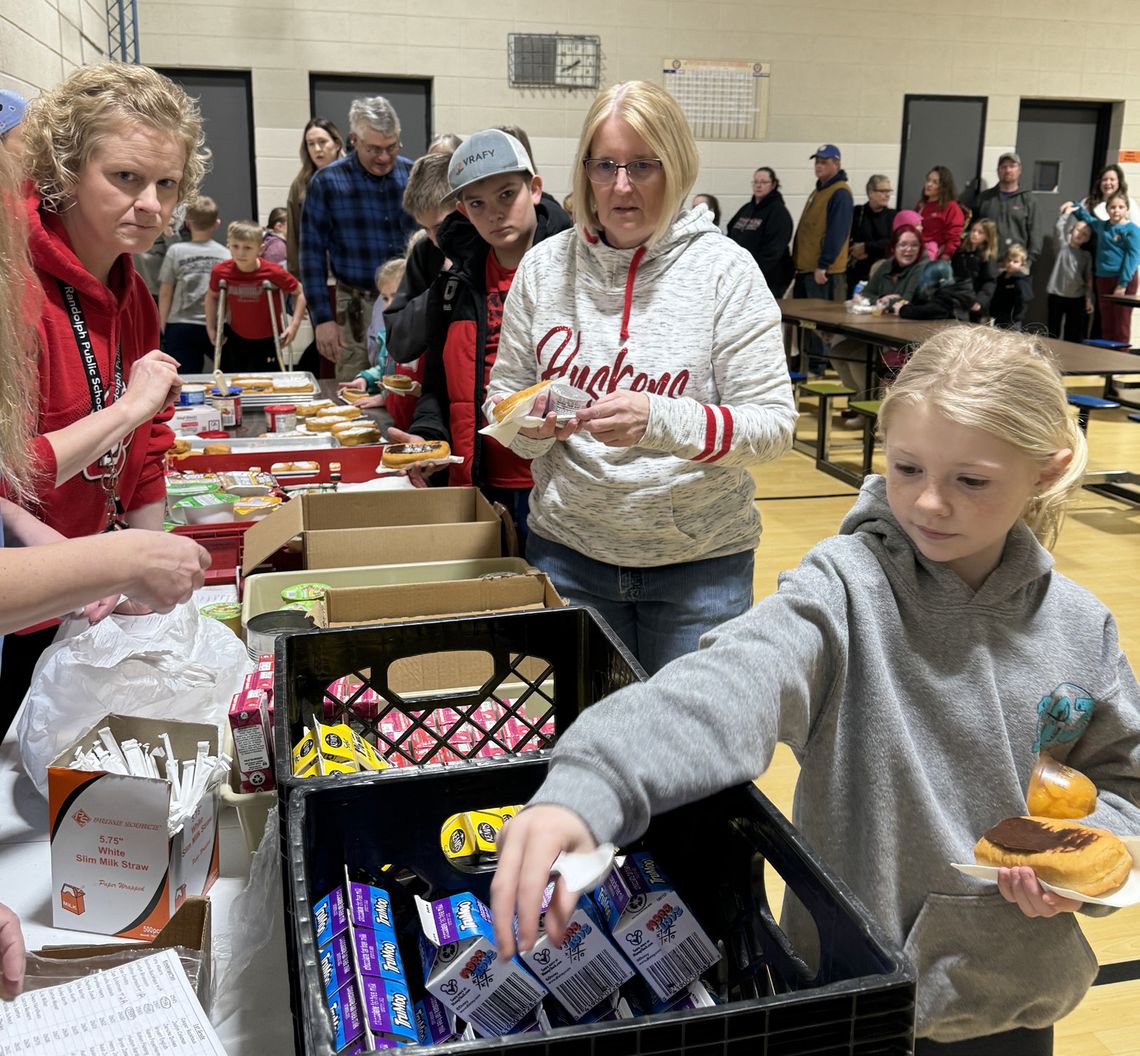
251,340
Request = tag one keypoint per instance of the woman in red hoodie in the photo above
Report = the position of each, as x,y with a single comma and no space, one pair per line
942,216
110,152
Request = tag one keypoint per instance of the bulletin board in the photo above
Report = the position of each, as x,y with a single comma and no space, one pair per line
722,100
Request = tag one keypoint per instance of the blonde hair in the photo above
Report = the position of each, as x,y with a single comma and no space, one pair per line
1005,384
654,115
1015,249
389,270
427,185
66,124
990,246
19,308
245,231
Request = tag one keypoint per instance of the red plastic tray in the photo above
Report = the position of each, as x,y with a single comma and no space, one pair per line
224,543
356,463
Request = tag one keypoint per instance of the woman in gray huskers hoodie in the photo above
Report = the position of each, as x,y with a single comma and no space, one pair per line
643,505
916,664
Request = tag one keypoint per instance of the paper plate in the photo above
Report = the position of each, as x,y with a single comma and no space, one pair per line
1128,894
415,390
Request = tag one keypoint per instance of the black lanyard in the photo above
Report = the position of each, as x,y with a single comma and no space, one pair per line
87,351
110,462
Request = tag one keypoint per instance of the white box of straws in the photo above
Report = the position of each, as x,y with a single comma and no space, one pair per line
115,868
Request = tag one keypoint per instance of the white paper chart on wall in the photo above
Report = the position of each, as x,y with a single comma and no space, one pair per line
722,100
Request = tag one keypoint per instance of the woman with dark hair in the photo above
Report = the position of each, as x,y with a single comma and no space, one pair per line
713,204
1109,181
321,144
942,217
763,226
274,247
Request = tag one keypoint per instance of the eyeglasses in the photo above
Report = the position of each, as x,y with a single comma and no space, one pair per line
389,151
602,170
881,190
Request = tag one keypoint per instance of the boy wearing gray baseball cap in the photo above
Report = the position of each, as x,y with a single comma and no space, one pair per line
500,213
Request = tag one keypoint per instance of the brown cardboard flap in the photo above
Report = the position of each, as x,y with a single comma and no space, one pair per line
268,535
189,927
357,606
402,545
421,509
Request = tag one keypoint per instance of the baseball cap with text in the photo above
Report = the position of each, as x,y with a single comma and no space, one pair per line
828,150
12,107
491,152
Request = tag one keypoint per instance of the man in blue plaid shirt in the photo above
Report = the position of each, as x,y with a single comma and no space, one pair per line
353,221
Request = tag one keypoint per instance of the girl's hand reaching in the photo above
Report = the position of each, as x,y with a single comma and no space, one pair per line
528,845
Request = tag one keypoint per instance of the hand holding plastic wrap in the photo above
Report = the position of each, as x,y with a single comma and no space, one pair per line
173,666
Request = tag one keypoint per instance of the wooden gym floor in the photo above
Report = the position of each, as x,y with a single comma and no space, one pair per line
1100,549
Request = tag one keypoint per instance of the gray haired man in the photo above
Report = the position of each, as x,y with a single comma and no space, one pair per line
353,221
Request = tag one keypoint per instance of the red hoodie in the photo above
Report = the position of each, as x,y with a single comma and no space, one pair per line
123,311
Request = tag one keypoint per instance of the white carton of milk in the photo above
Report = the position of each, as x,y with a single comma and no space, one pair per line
652,926
463,969
585,968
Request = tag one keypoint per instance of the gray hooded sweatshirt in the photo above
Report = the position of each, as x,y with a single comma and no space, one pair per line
916,709
688,320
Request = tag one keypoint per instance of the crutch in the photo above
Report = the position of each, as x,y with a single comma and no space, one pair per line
219,333
271,291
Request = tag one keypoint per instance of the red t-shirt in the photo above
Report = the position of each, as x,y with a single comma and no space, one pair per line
503,467
247,302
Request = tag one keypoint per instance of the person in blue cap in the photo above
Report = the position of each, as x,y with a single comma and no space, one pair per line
819,250
12,107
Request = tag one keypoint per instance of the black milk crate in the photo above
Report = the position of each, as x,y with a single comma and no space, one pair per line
539,669
543,666
860,1000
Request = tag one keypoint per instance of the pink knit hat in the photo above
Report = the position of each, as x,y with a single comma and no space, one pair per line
908,217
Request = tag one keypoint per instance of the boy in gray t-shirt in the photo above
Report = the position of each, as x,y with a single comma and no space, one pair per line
183,282
1070,283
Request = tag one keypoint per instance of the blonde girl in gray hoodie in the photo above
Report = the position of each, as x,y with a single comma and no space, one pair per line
917,664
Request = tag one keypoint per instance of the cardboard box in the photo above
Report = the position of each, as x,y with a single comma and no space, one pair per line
433,672
114,869
379,528
188,929
361,606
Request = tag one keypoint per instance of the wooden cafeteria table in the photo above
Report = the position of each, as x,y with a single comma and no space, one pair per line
889,331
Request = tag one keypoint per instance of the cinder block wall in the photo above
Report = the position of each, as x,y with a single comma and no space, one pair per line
839,71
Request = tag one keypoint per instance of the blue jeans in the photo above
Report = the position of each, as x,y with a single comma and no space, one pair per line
659,613
835,289
190,345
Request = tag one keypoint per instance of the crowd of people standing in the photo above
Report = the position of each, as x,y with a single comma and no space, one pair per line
988,243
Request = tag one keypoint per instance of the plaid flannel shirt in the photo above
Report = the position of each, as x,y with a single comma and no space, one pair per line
355,221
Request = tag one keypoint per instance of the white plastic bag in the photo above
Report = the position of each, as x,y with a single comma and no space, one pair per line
179,665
